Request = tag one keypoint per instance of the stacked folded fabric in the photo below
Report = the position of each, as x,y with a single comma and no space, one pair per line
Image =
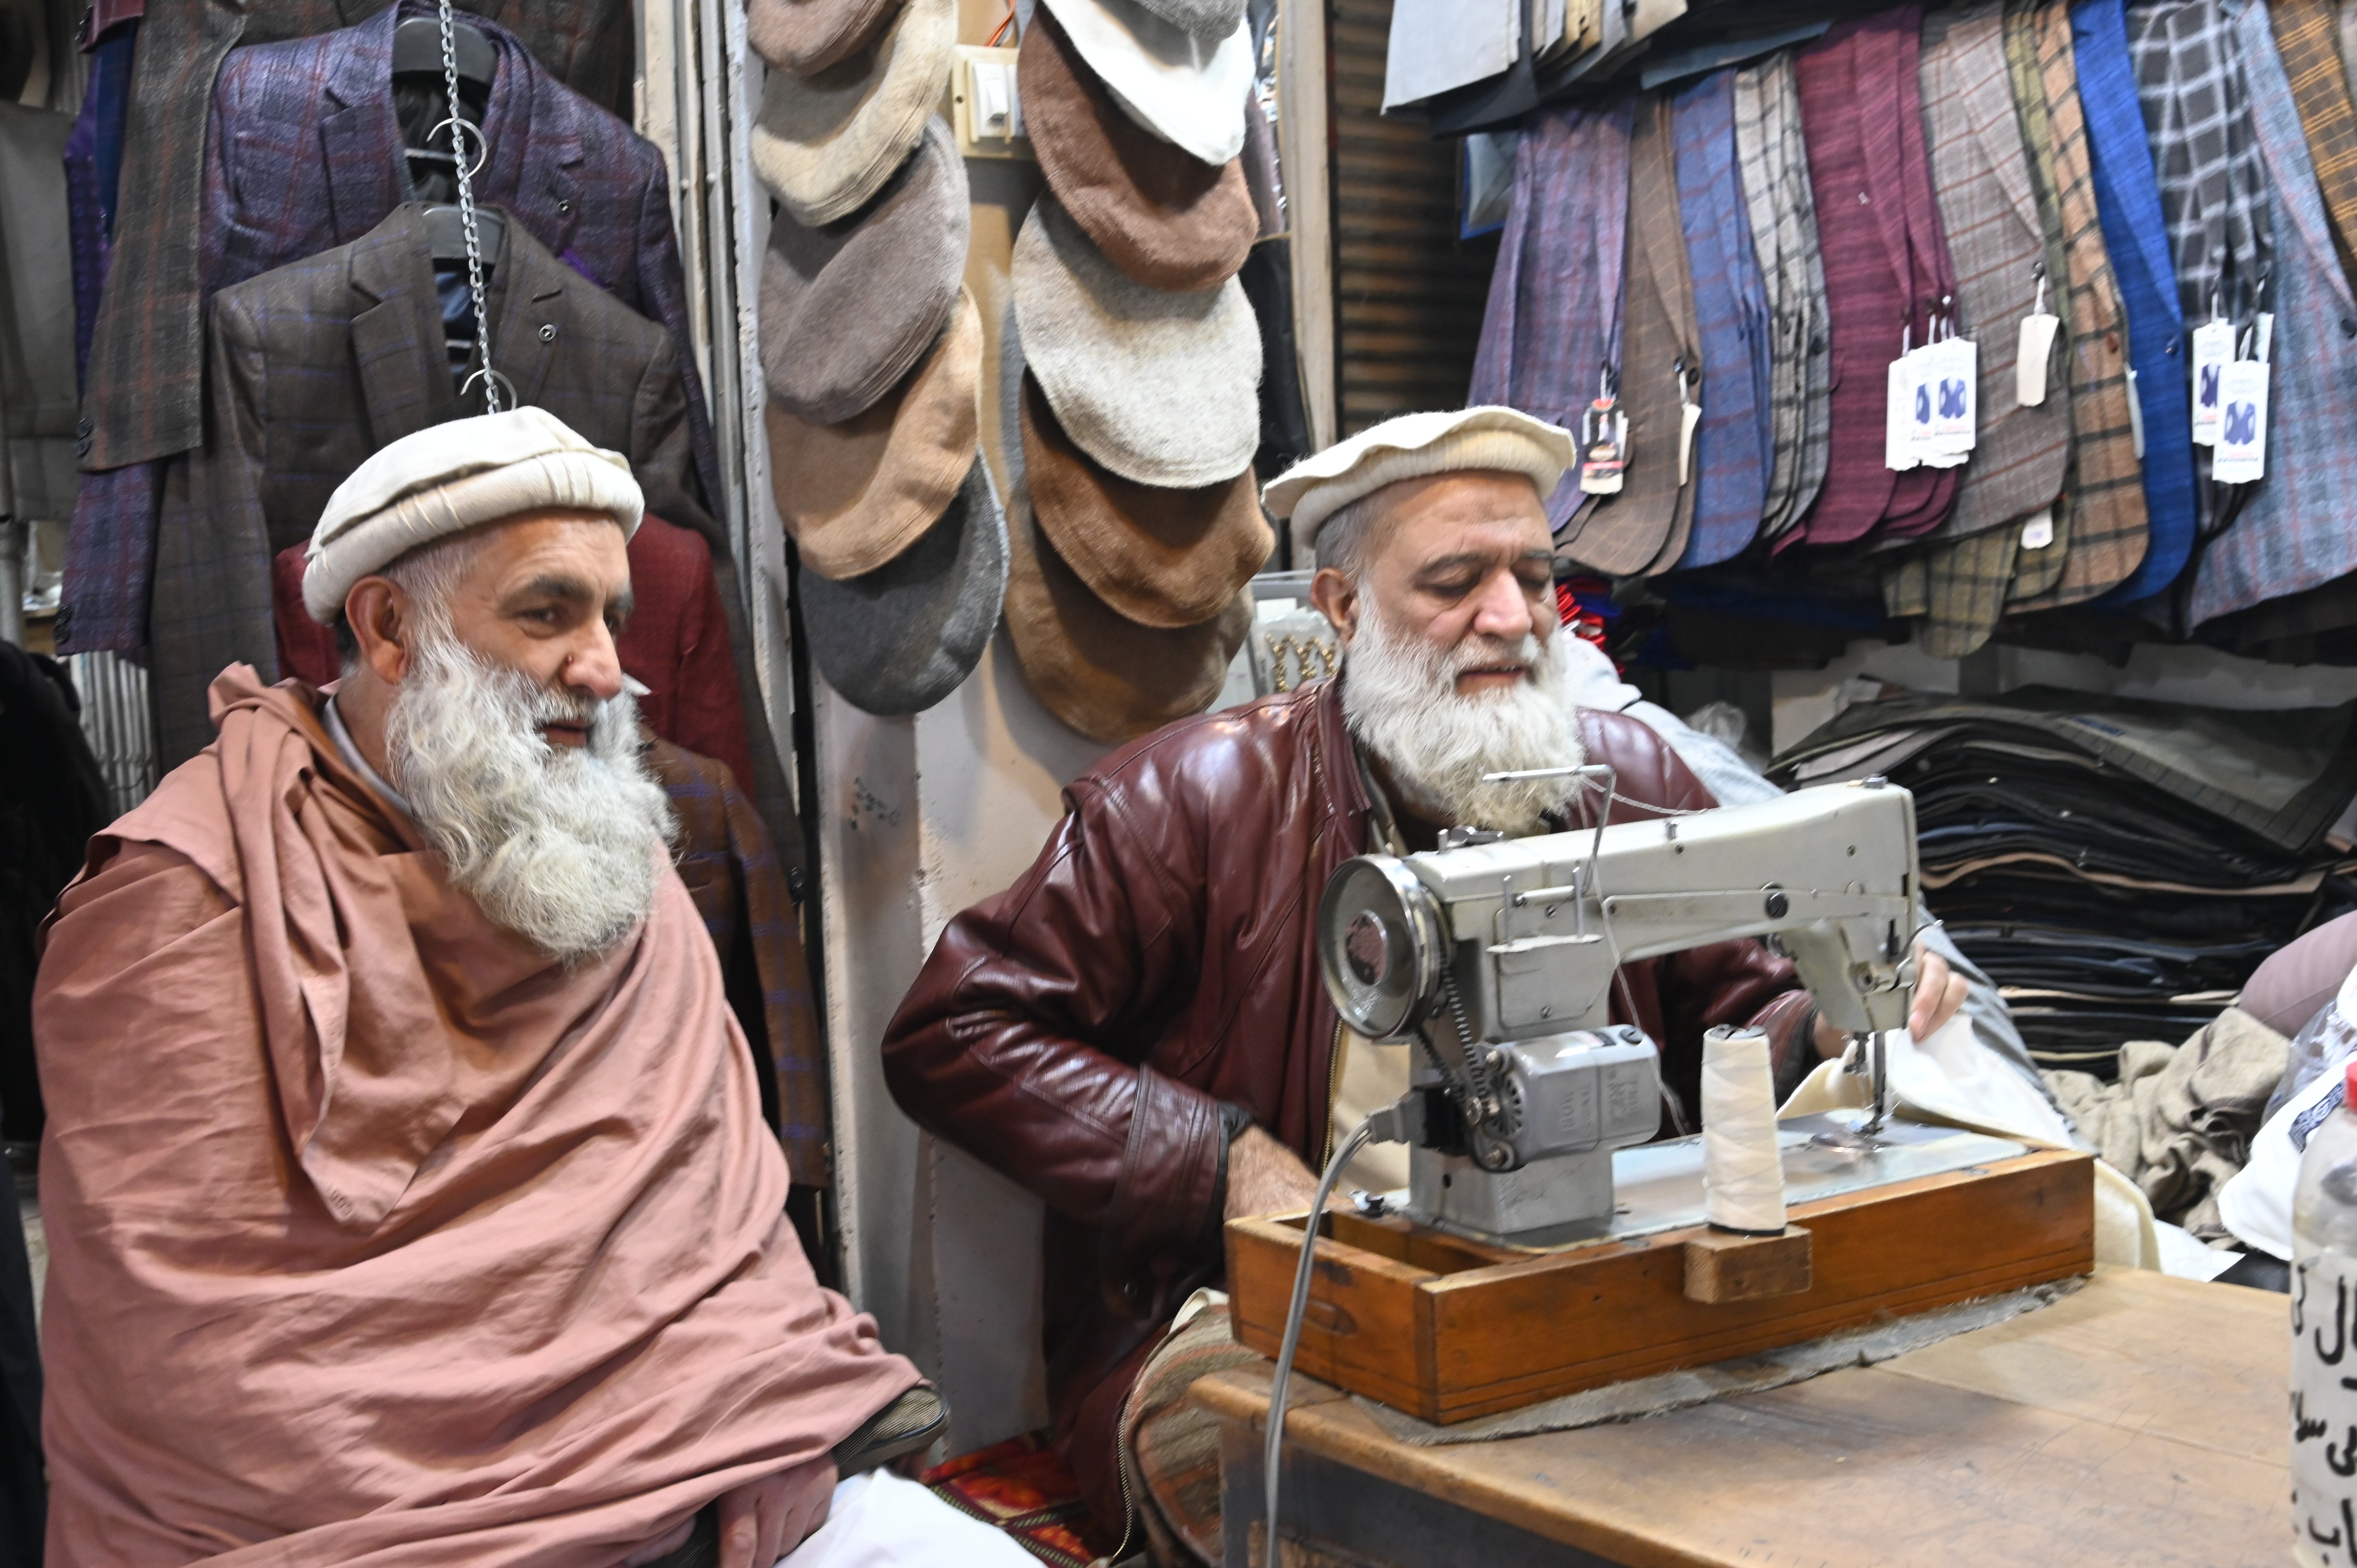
2119,867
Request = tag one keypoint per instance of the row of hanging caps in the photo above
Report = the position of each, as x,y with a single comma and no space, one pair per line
443,69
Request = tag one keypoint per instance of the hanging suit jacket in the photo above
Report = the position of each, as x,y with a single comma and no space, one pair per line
302,151
1998,246
2212,179
1645,527
2107,524
2037,570
1774,167
2135,237
1552,326
317,365
1732,445
143,398
2308,39
2293,531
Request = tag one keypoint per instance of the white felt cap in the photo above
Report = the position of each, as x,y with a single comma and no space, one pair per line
1413,447
452,477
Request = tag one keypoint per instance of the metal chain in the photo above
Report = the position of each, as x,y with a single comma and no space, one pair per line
489,377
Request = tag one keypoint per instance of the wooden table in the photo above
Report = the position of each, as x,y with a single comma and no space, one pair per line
2141,1421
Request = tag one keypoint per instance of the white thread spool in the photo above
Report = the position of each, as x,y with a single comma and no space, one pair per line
1742,1172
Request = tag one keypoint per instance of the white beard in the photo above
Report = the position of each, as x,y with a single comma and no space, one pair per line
1400,698
555,844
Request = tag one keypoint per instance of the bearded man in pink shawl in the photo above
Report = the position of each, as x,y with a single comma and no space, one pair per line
407,1192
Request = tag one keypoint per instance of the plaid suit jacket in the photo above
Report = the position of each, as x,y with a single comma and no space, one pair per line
144,396
318,365
724,856
1891,80
2106,487
2127,201
1732,446
1645,526
1553,321
2213,182
2308,39
303,151
2293,532
1774,167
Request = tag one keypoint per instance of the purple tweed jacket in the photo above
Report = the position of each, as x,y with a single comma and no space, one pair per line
304,152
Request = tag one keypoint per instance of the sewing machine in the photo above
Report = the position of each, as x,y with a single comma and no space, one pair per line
1529,1197
1496,958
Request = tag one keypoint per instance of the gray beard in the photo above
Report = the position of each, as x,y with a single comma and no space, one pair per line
1400,698
555,844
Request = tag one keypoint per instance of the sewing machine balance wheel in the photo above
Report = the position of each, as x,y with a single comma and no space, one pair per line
1382,944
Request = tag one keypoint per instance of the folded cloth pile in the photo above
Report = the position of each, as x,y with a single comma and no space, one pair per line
2119,867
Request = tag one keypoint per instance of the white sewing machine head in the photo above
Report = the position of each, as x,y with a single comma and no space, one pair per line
1498,959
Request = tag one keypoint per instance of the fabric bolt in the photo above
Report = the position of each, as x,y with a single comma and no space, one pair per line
2108,530
146,392
302,151
318,366
2127,201
2213,182
1774,167
1733,443
419,1172
2292,534
2307,40
1550,332
1652,514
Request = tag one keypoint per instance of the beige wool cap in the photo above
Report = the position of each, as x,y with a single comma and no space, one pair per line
807,36
453,476
826,142
1158,387
1414,447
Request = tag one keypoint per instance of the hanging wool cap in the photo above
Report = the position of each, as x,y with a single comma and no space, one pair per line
806,37
824,144
1191,90
1160,388
453,476
1413,447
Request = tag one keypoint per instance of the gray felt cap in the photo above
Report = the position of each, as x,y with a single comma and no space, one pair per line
906,635
848,309
1160,388
807,36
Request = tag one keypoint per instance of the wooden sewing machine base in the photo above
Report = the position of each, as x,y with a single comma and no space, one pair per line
1449,1328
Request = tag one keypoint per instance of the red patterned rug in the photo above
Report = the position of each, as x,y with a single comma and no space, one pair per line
1022,1488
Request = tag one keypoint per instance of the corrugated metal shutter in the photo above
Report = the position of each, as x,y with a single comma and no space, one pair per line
1408,293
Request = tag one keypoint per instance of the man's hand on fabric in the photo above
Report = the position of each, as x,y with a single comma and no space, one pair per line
762,1521
1267,1177
1939,994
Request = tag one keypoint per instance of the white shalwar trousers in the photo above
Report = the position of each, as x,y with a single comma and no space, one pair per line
879,1520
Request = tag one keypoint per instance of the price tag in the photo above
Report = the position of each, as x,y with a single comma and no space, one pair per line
2031,359
2265,323
2242,449
1952,376
2213,349
2135,415
1899,417
1603,447
1689,417
2039,532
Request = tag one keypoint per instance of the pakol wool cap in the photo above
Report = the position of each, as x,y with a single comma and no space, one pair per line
824,144
855,494
1160,388
1203,18
453,476
1189,91
847,309
901,638
1102,673
806,37
1164,217
1413,447
1162,558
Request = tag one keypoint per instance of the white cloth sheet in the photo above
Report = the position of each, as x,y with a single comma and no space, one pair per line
879,1520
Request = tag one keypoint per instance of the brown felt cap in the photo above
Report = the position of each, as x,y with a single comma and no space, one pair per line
1163,558
847,309
1101,672
856,494
1164,217
807,36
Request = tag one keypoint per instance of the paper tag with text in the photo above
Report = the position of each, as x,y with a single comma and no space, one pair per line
2213,349
1898,418
2242,449
2039,532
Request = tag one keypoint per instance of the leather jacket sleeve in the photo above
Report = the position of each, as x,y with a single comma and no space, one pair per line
1023,1039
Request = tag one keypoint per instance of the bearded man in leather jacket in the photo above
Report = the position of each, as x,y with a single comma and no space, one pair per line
1137,1032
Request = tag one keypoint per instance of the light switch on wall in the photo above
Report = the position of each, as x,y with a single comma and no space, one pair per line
988,106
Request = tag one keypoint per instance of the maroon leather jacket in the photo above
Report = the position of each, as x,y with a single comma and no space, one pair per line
1081,1030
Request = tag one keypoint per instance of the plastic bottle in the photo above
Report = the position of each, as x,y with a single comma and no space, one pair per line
2324,1342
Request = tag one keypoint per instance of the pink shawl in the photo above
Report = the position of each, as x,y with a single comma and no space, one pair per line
376,1237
